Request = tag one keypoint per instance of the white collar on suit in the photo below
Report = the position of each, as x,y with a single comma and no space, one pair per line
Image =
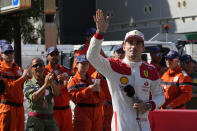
131,63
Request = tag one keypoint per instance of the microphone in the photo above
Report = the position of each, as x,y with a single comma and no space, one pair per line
130,92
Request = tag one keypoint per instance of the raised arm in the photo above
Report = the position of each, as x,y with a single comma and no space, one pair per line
93,54
101,23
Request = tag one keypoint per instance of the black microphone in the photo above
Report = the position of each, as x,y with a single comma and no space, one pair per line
129,90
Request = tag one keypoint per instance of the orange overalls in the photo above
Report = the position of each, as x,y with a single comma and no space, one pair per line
88,110
11,105
82,51
62,111
159,68
107,105
177,87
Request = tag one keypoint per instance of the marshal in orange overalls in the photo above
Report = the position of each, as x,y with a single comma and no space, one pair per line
88,110
62,111
11,105
177,88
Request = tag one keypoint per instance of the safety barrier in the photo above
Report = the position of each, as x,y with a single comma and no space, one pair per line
173,120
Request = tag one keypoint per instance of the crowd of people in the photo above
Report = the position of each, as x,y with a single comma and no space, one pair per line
108,93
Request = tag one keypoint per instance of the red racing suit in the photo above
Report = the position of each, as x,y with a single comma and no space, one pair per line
88,110
11,105
142,76
62,111
177,87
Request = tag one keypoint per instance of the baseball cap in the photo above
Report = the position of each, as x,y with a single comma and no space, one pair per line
117,47
3,42
91,31
185,58
81,58
51,49
134,33
172,54
154,49
6,47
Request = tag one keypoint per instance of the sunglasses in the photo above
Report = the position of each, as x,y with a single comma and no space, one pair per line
120,52
38,64
9,52
159,54
169,59
54,54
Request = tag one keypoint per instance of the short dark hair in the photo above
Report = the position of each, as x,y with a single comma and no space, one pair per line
37,58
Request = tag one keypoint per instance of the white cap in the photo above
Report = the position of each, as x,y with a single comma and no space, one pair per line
134,33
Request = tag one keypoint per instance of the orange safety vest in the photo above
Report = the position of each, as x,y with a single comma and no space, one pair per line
177,87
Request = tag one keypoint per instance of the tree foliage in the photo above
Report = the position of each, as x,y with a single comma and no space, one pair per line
28,18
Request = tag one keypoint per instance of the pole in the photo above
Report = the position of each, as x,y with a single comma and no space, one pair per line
17,38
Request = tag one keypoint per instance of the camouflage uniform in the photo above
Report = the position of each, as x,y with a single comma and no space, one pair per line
35,123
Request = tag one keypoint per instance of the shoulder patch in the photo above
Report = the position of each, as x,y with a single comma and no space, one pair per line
148,71
82,47
120,67
184,73
66,67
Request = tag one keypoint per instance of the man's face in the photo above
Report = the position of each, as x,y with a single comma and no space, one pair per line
8,56
37,67
172,63
53,57
156,57
83,67
88,37
188,66
119,54
133,48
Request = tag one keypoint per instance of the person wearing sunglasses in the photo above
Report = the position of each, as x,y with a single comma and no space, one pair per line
83,50
62,111
11,98
156,57
175,83
39,92
130,114
119,52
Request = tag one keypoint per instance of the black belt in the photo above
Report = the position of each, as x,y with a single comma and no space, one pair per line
178,107
109,102
88,105
61,107
12,103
